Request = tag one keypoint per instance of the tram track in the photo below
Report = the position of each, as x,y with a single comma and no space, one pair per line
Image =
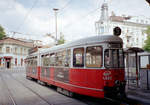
31,90
9,92
85,99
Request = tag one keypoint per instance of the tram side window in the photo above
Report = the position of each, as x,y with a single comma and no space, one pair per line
45,60
78,57
52,59
35,62
67,58
94,56
59,58
63,58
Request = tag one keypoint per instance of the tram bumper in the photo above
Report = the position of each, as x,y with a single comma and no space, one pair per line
117,91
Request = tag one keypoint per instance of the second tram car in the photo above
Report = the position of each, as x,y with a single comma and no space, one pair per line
91,66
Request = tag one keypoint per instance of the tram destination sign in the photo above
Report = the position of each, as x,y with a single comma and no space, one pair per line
115,45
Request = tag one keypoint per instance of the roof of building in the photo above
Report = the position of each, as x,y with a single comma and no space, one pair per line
117,18
124,20
9,40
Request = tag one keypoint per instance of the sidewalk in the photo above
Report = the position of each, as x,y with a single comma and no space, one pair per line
143,96
12,70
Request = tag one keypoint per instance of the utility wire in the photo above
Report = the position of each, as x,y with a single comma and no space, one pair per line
83,17
26,16
14,32
65,5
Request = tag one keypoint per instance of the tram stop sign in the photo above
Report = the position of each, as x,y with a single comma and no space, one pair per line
117,31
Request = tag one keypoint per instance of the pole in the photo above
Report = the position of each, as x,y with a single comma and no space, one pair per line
137,78
128,68
55,9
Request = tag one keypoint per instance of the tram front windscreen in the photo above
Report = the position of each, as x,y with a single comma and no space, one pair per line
114,58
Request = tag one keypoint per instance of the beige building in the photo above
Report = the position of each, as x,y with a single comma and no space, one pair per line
13,52
133,27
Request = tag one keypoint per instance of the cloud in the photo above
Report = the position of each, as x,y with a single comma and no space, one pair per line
75,21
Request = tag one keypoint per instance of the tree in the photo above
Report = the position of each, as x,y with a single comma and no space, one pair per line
2,32
61,40
147,41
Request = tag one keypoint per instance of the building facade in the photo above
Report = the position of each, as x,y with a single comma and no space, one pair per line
133,27
13,52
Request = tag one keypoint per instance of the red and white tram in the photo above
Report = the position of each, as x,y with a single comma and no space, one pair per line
91,66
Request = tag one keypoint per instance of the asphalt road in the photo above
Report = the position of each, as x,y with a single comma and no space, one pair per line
15,89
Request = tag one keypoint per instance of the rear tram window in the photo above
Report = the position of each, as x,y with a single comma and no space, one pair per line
114,58
60,58
52,59
94,56
67,58
46,60
78,57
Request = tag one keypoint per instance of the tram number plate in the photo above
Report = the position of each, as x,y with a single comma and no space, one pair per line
107,78
107,75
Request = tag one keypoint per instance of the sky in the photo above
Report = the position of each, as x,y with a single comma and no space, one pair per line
33,19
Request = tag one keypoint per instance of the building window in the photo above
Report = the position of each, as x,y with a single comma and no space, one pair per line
21,51
24,51
101,30
15,50
142,21
21,62
7,49
15,61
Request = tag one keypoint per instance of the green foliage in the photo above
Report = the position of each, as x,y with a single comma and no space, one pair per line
147,41
2,32
61,40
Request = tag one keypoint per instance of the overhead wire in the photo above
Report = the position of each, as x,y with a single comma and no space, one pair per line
83,17
26,16
65,6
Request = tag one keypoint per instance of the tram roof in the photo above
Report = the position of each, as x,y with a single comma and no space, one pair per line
86,41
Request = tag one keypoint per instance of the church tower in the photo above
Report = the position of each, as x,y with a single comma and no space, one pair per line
102,26
104,12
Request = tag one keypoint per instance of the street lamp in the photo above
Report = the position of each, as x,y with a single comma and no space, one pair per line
56,10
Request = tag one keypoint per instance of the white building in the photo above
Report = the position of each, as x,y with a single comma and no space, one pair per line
13,52
132,27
